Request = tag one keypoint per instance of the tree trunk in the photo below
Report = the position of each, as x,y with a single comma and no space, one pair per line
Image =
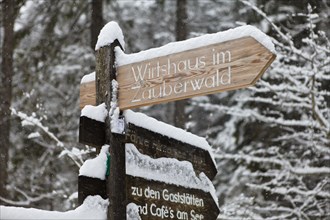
181,20
181,34
97,21
6,89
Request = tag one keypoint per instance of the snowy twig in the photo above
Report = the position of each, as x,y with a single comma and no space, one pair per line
277,29
250,159
285,191
251,113
28,199
31,120
311,171
273,160
281,209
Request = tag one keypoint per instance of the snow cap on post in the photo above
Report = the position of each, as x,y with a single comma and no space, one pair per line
108,34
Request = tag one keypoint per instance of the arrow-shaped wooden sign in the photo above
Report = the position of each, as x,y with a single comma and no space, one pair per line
152,143
210,69
157,145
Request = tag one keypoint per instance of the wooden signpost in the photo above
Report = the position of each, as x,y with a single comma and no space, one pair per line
209,69
155,199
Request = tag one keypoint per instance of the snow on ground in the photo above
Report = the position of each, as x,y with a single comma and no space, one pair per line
197,42
94,207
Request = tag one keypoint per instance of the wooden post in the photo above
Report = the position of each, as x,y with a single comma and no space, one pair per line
116,185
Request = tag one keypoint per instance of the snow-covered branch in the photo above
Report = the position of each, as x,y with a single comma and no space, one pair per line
260,12
246,113
33,121
28,200
273,160
311,170
250,159
286,37
284,190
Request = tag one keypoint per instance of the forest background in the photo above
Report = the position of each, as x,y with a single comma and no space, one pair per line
271,141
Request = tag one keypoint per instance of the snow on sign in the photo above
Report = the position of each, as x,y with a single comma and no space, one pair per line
157,146
158,139
151,137
203,65
166,188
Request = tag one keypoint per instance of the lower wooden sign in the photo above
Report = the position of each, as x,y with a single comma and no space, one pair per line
157,145
159,200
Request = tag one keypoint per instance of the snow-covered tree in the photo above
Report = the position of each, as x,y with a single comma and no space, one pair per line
50,58
273,140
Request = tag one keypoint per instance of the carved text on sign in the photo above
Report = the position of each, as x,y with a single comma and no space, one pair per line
145,73
159,200
215,68
206,70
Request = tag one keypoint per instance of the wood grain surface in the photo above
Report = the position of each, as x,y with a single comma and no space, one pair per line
211,69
